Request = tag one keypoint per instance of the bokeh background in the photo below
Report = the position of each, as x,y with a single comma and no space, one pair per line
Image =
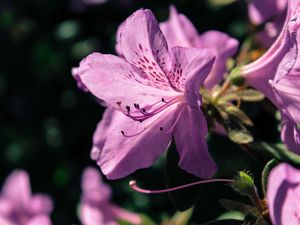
47,123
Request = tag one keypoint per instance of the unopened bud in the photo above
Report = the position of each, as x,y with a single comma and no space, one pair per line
244,184
236,78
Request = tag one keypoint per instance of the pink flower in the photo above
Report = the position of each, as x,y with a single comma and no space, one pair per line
155,94
277,75
270,12
283,195
95,206
179,31
262,11
19,207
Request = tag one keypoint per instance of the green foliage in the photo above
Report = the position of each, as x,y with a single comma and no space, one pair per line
244,184
266,172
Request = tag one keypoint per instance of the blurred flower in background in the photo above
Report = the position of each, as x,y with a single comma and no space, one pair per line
96,207
19,207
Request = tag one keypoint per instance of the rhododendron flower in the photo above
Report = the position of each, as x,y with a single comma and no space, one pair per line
154,91
283,195
179,31
95,206
270,12
277,75
19,207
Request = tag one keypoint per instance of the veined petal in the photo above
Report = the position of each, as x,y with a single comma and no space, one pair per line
143,45
259,75
132,145
179,30
190,139
276,75
283,194
17,189
288,95
90,215
119,84
103,128
190,68
223,47
290,134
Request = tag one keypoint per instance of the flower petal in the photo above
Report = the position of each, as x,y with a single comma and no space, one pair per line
40,220
90,215
40,204
75,75
132,145
5,221
191,66
102,131
190,138
143,45
290,134
283,194
178,30
118,83
223,47
17,189
94,191
278,61
261,11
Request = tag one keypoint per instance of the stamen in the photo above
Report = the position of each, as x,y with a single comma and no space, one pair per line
132,135
161,128
134,186
151,110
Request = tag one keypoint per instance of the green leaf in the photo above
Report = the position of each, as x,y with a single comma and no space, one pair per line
175,176
219,3
231,215
206,95
237,132
235,129
225,222
279,152
265,173
145,220
250,95
180,218
238,206
239,114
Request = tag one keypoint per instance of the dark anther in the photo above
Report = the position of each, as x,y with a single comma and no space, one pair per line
137,106
161,128
163,100
141,121
118,103
122,132
144,110
128,108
